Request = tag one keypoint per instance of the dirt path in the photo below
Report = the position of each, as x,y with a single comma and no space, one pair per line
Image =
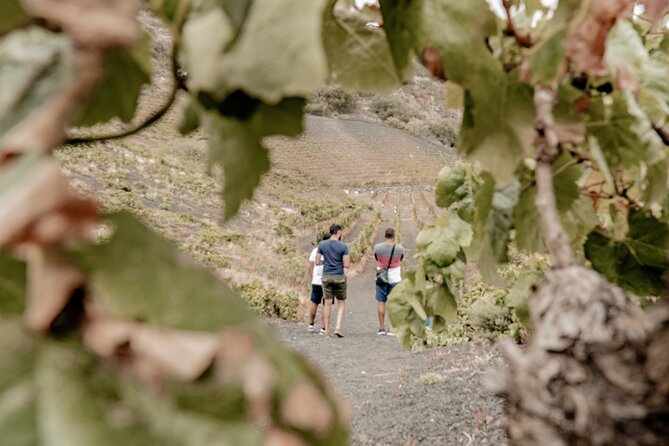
400,397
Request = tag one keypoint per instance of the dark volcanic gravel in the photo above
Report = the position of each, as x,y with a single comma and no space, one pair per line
398,397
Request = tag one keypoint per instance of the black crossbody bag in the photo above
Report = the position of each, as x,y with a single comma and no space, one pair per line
382,274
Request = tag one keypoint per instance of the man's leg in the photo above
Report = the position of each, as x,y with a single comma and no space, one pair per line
312,313
327,306
316,299
382,314
341,305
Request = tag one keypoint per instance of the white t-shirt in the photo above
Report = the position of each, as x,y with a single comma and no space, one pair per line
318,269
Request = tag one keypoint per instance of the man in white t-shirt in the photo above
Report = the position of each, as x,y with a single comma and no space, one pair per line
316,272
388,256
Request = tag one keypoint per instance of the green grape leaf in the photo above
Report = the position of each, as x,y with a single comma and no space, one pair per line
628,140
17,414
174,11
139,276
12,285
547,58
190,118
497,128
236,144
237,11
450,186
578,221
621,131
526,221
497,231
16,352
398,20
625,50
17,391
638,262
12,16
417,306
441,302
359,56
126,72
570,206
73,408
404,320
37,64
284,38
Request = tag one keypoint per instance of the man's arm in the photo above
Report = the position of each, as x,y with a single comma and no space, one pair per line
311,269
319,258
347,263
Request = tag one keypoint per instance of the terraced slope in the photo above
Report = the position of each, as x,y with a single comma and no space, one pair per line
349,153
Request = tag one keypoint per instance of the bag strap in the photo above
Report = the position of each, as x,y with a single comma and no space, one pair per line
390,259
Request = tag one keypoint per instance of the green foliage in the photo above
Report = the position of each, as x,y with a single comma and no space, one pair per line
137,275
638,262
126,72
12,285
430,290
13,15
269,301
358,56
235,144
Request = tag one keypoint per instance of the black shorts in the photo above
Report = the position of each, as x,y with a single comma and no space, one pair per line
316,294
334,287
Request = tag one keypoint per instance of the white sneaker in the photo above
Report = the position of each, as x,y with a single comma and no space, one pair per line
310,327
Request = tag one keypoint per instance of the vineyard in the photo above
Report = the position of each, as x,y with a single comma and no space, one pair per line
167,166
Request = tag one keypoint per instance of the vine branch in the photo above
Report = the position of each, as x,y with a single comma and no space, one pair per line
547,150
524,41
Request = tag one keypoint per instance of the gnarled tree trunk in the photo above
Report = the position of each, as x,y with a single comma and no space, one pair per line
596,371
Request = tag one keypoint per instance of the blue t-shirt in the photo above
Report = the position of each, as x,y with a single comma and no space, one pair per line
333,252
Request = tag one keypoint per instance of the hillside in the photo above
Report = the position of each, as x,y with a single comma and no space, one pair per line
338,170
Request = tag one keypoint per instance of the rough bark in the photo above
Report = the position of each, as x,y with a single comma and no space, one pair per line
596,371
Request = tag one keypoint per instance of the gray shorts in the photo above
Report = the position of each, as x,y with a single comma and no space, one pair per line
334,287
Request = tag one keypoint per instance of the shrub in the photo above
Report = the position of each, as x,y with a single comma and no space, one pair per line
443,131
417,127
388,107
269,301
332,100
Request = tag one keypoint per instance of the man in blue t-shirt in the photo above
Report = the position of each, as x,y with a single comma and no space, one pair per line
333,255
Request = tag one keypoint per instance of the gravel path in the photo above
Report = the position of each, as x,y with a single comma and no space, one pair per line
400,397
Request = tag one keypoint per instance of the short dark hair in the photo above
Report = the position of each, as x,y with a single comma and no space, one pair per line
334,229
325,236
390,233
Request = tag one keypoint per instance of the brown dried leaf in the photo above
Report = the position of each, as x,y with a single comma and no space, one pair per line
626,80
570,133
101,24
44,129
40,208
587,40
238,359
279,437
305,408
431,58
178,354
51,281
655,9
